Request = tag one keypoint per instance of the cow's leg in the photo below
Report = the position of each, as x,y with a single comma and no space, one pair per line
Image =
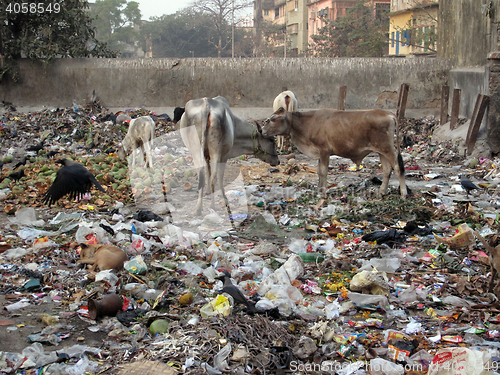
133,156
204,171
386,170
213,176
399,168
149,158
324,160
388,163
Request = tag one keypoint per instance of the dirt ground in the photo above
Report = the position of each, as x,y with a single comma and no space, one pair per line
433,164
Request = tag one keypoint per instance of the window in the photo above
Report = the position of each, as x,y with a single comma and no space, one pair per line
296,4
276,12
392,39
406,38
266,12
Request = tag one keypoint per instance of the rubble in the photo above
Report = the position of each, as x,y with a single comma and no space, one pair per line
358,286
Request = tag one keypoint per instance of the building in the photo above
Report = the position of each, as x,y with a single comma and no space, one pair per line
413,27
322,11
293,14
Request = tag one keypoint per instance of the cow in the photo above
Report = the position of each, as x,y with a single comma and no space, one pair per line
141,133
348,134
213,134
288,102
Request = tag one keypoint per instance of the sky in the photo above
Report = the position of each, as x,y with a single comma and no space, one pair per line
158,8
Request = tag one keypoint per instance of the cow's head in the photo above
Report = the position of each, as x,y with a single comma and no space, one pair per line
264,147
276,124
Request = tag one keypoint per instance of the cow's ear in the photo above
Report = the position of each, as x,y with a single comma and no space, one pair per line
280,111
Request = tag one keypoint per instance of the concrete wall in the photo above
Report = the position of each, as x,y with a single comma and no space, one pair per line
371,82
467,30
472,82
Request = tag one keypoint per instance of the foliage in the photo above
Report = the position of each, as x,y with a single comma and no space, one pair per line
115,22
190,33
47,35
183,34
273,36
357,34
221,14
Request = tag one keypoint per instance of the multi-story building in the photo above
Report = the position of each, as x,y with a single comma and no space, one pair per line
412,29
293,14
322,11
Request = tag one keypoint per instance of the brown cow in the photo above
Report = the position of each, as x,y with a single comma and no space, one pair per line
348,134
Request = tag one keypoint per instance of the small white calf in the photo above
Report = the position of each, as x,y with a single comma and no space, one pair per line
288,102
141,132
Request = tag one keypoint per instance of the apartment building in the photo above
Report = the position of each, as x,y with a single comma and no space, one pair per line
413,27
321,11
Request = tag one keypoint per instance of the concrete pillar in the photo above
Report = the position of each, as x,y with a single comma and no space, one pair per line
493,124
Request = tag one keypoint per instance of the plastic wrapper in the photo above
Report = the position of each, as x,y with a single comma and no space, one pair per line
463,237
219,306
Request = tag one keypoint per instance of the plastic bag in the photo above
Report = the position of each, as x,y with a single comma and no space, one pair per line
460,361
136,265
220,306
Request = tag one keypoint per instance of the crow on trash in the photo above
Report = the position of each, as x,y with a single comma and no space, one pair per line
51,154
21,162
72,179
37,147
468,185
16,176
234,291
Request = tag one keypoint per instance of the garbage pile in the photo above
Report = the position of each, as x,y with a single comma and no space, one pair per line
359,285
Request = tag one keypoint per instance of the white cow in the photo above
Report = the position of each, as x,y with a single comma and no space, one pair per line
213,134
289,103
141,133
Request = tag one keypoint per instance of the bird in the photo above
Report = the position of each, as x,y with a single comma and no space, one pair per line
21,162
231,289
17,175
72,179
468,185
37,147
51,154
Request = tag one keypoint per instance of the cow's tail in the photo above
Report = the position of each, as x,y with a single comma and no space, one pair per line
205,116
398,145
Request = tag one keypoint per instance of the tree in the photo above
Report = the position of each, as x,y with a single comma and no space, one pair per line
115,22
221,12
183,34
360,33
63,29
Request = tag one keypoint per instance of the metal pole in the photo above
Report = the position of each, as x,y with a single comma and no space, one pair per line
232,35
285,29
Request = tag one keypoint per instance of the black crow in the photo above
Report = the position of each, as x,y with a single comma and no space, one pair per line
51,154
21,162
9,106
467,184
234,291
37,147
17,175
72,179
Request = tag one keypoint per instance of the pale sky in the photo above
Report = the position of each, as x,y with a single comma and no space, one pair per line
158,8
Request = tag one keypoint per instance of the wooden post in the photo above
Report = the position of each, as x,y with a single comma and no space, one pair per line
475,122
455,108
403,97
342,96
445,96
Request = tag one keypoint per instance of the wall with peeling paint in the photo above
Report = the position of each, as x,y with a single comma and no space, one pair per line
371,82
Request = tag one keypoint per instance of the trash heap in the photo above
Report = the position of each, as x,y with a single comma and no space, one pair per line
359,285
